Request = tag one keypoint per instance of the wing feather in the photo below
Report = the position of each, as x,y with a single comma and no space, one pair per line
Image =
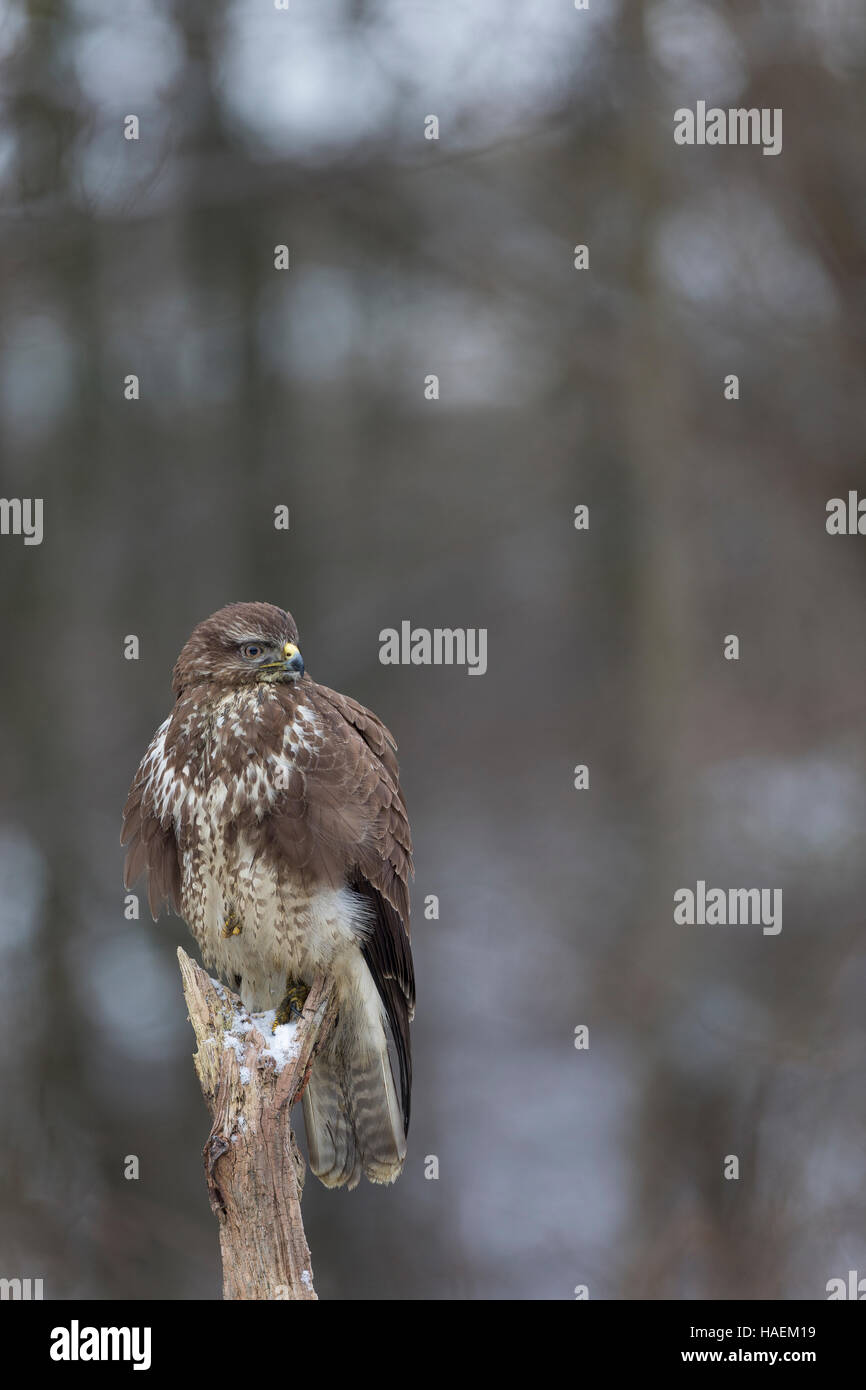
379,862
148,830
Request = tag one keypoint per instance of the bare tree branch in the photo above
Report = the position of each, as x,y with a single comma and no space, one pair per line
251,1078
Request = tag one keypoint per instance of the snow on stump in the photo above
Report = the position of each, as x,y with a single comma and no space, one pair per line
251,1077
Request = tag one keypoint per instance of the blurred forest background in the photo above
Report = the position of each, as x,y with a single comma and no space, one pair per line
305,387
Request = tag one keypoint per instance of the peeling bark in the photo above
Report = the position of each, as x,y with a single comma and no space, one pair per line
251,1079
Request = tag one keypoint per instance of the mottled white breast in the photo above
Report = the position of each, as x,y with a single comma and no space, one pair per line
287,928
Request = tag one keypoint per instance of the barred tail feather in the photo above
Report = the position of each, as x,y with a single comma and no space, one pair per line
351,1112
330,1135
376,1117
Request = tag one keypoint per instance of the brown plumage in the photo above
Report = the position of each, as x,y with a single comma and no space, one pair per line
272,804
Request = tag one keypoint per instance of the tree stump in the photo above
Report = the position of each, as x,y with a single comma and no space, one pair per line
251,1077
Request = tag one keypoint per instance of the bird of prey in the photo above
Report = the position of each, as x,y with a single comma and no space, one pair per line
268,812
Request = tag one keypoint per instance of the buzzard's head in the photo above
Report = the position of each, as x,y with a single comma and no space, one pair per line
243,644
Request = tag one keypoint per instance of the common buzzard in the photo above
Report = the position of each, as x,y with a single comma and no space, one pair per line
268,812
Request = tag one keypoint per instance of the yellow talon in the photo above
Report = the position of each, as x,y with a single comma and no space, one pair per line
232,925
292,1005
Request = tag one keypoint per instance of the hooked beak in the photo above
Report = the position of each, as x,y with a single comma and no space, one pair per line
292,660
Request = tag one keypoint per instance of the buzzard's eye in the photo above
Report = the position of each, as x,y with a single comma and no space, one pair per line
251,650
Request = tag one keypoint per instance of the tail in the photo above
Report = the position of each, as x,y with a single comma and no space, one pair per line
351,1113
